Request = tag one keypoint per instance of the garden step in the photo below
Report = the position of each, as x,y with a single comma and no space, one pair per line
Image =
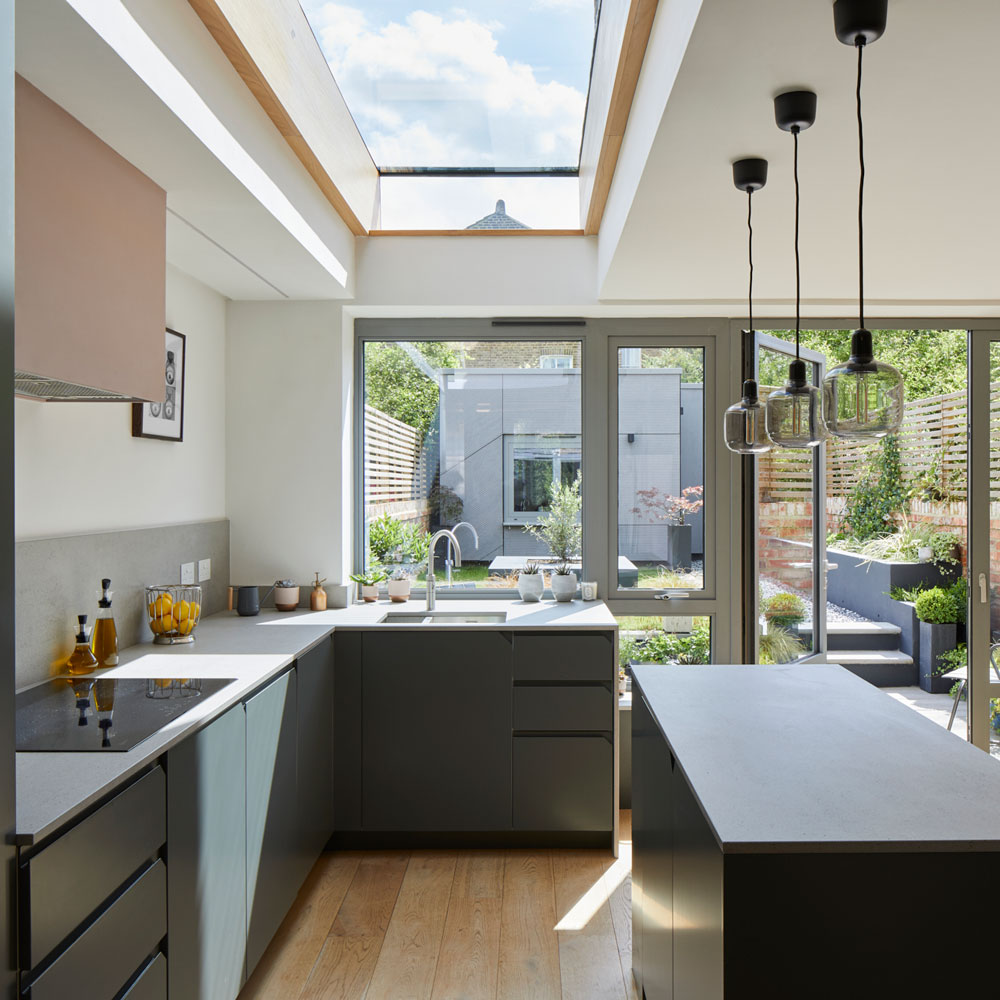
857,635
881,667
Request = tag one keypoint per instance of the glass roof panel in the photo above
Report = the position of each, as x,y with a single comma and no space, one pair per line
480,84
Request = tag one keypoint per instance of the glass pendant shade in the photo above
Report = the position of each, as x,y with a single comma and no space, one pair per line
863,398
794,413
744,424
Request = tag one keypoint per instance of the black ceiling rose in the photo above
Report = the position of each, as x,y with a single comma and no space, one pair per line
859,21
750,174
795,110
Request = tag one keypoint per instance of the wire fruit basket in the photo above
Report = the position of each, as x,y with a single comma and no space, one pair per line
173,612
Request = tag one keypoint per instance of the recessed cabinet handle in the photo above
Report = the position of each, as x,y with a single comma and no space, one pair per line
983,598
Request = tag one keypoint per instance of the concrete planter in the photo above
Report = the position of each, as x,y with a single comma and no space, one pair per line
679,546
935,640
530,586
563,587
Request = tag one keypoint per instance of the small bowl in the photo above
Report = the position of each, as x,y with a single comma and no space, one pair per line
173,613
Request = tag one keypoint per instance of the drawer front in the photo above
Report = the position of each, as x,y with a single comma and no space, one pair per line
152,984
64,883
573,657
563,707
563,783
103,959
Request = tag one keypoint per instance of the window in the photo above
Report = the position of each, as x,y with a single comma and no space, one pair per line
556,361
532,465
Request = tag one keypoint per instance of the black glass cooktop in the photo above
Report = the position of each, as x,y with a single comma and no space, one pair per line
103,713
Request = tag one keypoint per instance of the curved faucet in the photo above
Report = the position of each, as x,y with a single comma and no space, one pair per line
431,582
448,563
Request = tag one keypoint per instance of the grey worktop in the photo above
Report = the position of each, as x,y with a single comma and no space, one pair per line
811,758
52,788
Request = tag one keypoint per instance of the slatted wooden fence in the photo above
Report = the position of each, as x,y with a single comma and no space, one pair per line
932,441
395,470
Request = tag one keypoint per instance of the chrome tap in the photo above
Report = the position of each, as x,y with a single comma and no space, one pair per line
448,562
431,582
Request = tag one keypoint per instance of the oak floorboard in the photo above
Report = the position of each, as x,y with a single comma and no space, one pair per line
345,966
291,955
588,949
470,947
529,946
409,956
618,876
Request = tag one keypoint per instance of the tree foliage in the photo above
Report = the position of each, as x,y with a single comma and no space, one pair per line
395,384
879,496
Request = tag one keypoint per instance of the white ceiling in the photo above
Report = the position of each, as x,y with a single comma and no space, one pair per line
931,98
216,230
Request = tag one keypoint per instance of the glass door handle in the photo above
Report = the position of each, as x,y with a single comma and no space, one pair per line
982,589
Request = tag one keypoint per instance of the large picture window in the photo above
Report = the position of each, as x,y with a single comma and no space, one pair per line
533,465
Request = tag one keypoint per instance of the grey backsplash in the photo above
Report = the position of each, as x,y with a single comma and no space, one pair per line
60,578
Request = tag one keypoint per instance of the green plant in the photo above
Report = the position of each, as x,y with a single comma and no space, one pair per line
656,646
874,502
385,534
958,591
906,593
778,645
952,659
395,383
370,579
936,606
530,568
943,544
562,569
415,544
660,505
559,525
399,573
783,610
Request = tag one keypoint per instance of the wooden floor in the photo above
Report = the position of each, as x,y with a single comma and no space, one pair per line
456,925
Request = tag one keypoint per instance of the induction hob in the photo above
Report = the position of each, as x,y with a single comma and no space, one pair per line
94,713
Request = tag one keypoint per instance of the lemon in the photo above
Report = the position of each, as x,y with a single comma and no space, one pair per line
186,626
195,610
161,606
181,611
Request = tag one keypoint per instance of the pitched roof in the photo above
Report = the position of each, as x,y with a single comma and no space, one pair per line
498,220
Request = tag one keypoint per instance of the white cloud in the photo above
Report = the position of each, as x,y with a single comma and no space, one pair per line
436,91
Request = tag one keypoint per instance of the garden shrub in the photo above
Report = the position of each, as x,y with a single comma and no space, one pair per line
784,610
936,606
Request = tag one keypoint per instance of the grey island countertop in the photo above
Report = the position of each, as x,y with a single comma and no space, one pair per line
52,788
810,758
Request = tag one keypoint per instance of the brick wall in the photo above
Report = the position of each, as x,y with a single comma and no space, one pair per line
517,354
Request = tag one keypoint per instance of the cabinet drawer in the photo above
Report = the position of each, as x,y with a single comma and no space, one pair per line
574,657
563,783
152,984
65,882
99,962
565,707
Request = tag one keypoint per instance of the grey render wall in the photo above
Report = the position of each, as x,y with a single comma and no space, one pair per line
59,578
479,407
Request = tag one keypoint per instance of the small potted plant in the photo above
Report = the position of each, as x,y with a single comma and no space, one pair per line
286,595
368,582
783,611
399,586
530,582
938,613
563,582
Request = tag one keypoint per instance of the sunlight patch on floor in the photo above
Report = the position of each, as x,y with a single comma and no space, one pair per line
582,911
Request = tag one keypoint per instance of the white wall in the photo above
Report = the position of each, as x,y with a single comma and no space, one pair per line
78,468
288,415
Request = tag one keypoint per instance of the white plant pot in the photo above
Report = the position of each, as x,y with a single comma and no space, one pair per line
369,594
564,587
925,553
399,591
530,586
286,598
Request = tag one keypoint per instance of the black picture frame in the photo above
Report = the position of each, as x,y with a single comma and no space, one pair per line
164,421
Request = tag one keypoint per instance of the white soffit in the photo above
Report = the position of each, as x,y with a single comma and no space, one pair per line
932,199
222,227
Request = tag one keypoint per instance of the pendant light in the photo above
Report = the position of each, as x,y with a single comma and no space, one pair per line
794,413
862,398
743,423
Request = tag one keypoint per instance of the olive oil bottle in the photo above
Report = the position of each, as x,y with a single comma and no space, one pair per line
104,643
81,660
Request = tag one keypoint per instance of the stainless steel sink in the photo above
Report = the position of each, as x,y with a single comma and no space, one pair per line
445,618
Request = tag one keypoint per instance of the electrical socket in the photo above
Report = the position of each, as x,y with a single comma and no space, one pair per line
204,570
187,573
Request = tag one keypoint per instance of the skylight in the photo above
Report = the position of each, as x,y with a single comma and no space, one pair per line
481,85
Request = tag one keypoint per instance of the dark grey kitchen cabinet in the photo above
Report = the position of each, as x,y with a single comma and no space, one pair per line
563,783
151,984
207,875
314,672
572,657
436,743
347,684
272,815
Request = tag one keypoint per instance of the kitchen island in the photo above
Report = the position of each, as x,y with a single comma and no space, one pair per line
798,833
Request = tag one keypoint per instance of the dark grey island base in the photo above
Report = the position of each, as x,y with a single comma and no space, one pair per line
799,834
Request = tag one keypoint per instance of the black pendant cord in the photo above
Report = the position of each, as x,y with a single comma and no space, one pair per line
750,253
798,287
861,197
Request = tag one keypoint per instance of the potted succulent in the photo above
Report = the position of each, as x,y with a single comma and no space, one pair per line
530,582
659,505
399,586
563,582
368,582
286,595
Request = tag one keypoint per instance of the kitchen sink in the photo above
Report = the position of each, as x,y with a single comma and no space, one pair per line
445,618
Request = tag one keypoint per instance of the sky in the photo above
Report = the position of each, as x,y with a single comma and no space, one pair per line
482,84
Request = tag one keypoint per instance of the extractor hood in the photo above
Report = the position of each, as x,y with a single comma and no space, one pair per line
54,391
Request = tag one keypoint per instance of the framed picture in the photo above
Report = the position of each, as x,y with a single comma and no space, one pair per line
165,420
